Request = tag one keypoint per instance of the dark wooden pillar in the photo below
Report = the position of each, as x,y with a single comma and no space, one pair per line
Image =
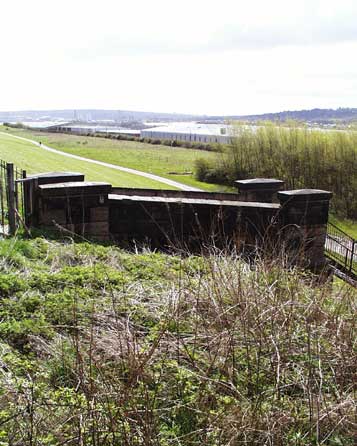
304,216
31,191
261,190
11,203
78,207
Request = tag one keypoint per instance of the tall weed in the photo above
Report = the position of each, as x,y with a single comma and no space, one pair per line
302,157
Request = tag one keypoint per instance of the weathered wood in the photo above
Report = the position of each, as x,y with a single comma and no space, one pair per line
262,190
99,214
171,219
304,216
11,199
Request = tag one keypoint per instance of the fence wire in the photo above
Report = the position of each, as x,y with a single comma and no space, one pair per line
342,248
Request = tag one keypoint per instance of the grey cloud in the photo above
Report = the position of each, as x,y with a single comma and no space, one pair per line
308,30
308,33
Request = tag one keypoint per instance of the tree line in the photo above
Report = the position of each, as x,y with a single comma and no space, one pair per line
302,157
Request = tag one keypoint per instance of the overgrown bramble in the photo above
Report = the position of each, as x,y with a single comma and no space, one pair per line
151,349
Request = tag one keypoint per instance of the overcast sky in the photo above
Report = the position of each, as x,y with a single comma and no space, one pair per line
194,56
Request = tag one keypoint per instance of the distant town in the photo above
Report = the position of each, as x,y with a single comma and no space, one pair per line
169,126
314,116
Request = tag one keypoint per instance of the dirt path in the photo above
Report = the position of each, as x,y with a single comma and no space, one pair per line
111,166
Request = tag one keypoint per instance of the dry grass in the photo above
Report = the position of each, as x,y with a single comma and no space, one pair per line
225,353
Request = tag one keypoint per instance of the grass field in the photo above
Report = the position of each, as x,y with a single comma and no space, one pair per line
160,160
174,163
35,160
349,226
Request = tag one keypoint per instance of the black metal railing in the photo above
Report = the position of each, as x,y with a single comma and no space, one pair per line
342,249
11,197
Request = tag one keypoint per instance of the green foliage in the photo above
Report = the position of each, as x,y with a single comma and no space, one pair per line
211,172
303,158
11,284
18,254
102,347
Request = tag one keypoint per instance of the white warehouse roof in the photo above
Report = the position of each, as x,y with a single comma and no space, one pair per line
194,128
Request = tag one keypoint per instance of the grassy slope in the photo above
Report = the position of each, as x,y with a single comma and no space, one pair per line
155,159
349,226
139,349
35,160
173,163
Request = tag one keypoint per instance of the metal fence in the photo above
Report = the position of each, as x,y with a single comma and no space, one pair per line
341,248
11,197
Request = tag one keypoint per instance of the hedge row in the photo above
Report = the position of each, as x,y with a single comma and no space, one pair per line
303,158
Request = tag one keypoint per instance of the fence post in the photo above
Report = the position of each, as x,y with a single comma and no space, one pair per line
2,194
352,254
304,216
23,176
11,198
263,190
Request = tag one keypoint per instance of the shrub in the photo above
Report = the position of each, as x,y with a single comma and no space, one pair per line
303,158
220,352
209,172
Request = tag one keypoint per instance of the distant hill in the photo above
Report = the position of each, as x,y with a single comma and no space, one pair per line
93,115
317,115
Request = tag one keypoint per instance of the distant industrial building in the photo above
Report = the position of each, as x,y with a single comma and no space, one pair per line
81,129
193,132
174,131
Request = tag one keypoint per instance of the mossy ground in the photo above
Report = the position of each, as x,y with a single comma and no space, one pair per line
99,346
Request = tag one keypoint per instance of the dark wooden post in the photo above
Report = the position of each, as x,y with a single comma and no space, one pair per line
24,175
261,190
77,207
31,192
304,216
11,205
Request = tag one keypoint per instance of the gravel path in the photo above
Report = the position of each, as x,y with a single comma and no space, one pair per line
111,166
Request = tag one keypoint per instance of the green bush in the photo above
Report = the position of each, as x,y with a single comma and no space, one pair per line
212,356
209,172
11,284
303,158
185,351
